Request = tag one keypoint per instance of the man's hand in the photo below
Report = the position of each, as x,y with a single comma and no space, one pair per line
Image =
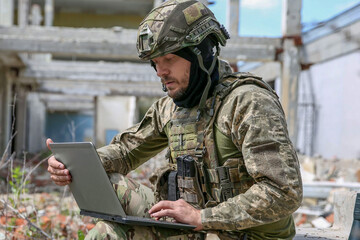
180,210
59,174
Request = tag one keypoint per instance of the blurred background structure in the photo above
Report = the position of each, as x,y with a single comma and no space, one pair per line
69,71
88,86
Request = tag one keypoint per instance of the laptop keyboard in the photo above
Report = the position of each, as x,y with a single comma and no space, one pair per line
144,219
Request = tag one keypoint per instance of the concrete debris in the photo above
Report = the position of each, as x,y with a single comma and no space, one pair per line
321,222
327,193
335,170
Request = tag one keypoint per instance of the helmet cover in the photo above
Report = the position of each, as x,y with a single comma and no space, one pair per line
177,24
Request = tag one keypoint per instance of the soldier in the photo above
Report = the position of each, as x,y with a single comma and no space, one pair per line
235,171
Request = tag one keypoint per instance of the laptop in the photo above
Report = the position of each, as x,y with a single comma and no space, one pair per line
92,189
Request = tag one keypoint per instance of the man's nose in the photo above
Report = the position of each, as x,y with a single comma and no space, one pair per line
162,71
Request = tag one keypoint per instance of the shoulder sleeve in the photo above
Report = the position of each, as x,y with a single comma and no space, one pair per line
139,143
253,118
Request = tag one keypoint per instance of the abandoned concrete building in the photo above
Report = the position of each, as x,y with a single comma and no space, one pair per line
69,70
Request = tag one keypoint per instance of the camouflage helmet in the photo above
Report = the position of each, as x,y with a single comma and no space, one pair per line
177,24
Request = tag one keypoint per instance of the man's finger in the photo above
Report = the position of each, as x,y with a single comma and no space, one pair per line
62,183
164,213
58,172
161,205
48,141
57,179
54,163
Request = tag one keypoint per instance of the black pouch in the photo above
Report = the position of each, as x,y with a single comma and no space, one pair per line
173,191
159,181
188,183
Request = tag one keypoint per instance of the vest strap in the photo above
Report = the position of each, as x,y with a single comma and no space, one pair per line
213,176
216,193
234,175
226,185
189,197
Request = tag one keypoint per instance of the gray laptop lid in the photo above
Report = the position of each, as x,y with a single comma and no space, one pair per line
88,174
92,189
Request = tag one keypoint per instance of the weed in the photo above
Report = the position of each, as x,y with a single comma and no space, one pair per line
16,184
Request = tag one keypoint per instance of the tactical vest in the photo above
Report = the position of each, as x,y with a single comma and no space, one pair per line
191,132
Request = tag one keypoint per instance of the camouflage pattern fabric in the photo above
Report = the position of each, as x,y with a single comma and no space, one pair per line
136,200
255,122
252,122
176,24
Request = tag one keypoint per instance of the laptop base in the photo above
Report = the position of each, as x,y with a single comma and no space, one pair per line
133,220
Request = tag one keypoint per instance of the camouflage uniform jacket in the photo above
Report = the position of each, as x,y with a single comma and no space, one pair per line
250,127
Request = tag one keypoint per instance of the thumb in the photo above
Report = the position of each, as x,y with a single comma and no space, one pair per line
48,141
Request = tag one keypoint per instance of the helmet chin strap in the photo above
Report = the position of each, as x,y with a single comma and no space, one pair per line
208,72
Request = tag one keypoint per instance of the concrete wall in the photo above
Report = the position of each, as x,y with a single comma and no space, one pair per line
66,19
36,115
336,85
113,114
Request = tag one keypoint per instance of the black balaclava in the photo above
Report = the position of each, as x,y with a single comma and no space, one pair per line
198,78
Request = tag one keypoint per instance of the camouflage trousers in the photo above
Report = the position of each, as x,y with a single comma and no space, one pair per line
136,200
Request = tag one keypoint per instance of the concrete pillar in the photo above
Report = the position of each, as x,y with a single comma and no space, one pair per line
291,29
20,120
133,109
35,20
23,12
6,12
49,13
23,20
234,8
289,86
36,112
291,18
21,93
5,109
6,19
49,20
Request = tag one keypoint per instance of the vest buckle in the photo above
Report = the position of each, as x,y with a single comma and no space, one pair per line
226,185
199,153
